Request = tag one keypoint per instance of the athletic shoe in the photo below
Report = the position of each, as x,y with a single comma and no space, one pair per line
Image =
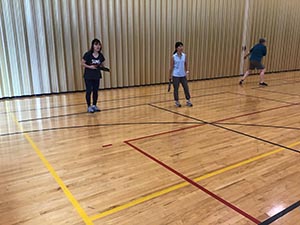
189,103
95,108
263,84
241,82
177,104
90,109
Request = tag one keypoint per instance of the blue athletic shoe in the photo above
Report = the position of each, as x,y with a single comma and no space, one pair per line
90,109
189,103
177,104
95,108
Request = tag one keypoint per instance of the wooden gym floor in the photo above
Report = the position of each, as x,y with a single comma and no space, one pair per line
233,158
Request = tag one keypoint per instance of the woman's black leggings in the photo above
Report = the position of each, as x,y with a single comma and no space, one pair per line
91,86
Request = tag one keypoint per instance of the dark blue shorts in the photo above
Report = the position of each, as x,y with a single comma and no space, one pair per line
256,65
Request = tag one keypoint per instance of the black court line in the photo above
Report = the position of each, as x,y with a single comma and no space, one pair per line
79,113
98,125
280,92
78,104
110,109
161,93
143,104
257,86
234,117
281,214
277,85
292,79
228,118
52,107
258,125
259,97
118,99
108,100
228,129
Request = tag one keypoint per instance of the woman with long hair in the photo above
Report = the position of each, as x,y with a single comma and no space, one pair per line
92,61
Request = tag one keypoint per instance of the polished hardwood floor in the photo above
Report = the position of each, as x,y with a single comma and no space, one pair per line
232,158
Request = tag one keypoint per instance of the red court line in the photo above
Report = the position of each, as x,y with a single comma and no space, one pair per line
259,97
280,84
166,132
190,180
108,145
249,114
196,185
217,121
279,92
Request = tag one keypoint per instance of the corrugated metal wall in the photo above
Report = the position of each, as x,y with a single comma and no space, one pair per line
42,41
278,21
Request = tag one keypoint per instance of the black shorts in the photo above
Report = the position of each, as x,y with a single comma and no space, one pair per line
256,65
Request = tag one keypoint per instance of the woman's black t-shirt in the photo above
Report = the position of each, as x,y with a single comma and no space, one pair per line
93,74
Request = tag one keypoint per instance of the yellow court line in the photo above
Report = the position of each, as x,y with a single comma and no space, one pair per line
184,184
60,182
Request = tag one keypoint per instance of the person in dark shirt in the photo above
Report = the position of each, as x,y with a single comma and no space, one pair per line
92,61
256,54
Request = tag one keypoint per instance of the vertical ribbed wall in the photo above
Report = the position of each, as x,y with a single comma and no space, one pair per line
42,41
278,21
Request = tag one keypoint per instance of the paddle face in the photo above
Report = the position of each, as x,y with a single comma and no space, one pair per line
169,85
104,68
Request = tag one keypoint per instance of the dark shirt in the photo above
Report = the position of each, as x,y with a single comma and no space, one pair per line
93,74
258,52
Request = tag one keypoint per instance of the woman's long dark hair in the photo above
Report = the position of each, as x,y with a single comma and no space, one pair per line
177,44
95,41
